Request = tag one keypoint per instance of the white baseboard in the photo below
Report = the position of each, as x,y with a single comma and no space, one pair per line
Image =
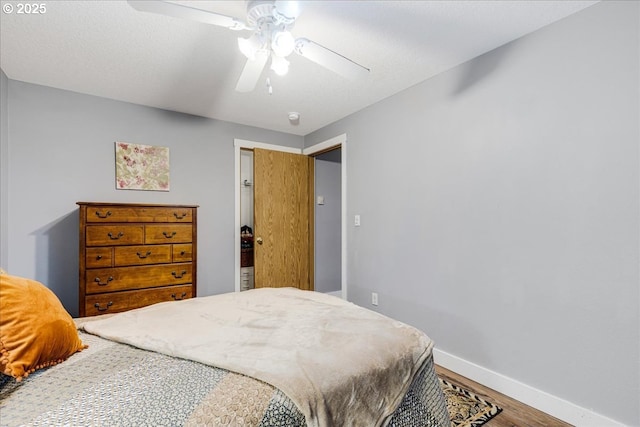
543,401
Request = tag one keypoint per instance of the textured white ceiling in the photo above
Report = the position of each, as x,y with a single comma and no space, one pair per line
108,49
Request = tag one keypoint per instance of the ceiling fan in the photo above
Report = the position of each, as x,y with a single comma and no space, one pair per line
270,23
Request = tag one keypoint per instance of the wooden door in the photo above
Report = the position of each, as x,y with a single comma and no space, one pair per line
282,219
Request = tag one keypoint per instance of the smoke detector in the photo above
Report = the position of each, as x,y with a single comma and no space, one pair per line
294,117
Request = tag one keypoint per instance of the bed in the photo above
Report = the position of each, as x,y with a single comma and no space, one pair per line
265,357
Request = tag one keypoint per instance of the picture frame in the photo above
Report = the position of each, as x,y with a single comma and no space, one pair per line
142,167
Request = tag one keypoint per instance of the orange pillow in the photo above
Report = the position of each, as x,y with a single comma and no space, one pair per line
35,329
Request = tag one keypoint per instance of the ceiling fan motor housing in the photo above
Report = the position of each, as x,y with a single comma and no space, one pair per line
271,27
259,12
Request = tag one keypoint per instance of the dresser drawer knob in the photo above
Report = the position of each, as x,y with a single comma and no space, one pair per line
97,305
105,215
179,216
168,235
99,282
184,294
143,256
178,275
112,237
182,253
98,257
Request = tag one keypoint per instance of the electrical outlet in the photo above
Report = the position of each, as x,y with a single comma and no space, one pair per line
356,221
374,298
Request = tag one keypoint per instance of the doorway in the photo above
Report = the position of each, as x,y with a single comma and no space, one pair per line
327,220
246,220
338,142
315,150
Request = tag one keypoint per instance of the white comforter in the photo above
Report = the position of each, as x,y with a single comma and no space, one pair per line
343,365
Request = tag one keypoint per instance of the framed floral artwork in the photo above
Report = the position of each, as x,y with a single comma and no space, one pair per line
142,167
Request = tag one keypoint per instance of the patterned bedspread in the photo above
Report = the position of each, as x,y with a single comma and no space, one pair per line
112,384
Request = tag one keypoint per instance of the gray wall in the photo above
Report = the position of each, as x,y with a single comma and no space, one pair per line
4,162
62,151
328,233
500,209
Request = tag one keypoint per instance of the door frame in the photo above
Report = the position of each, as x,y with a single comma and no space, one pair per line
338,141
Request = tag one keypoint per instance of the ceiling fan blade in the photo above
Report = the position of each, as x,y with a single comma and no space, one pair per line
329,59
252,71
186,12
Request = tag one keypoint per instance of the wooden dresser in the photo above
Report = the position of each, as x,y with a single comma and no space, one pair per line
133,255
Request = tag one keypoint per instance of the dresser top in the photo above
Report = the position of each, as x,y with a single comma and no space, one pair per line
135,204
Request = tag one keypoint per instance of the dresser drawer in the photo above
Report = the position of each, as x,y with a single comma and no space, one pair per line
116,279
168,233
138,214
141,255
116,234
182,252
99,257
115,302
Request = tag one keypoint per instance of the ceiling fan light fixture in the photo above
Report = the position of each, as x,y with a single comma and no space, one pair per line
249,46
279,65
282,43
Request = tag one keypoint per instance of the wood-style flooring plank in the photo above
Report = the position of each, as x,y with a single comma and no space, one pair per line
514,413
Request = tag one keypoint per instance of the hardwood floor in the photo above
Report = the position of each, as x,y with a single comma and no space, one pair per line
514,413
